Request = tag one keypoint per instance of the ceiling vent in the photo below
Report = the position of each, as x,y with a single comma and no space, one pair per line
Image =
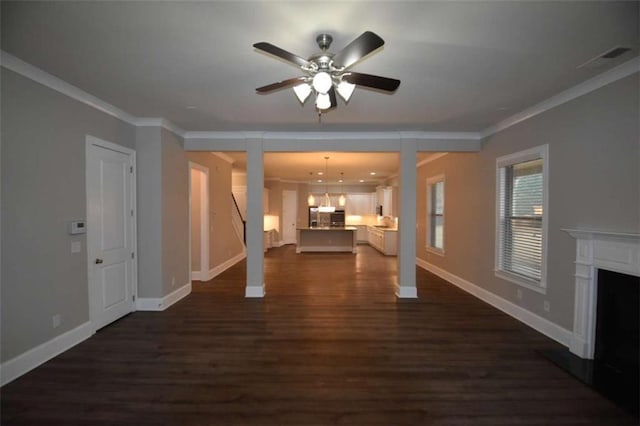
611,57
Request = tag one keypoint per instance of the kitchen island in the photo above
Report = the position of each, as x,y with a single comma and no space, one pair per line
327,239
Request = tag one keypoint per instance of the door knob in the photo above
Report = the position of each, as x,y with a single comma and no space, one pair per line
98,261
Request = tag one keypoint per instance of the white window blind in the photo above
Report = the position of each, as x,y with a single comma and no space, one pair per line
520,245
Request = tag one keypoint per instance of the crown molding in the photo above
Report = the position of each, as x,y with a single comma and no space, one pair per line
223,156
355,135
422,135
31,72
159,122
220,135
38,75
431,158
621,71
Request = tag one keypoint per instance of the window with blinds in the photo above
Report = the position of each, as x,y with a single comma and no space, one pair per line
435,221
520,223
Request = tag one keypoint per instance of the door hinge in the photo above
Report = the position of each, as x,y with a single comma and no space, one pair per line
133,297
133,255
131,212
131,169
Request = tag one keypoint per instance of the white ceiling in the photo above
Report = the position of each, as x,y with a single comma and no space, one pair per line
464,66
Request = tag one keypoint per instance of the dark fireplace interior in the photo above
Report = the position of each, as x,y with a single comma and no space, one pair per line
617,342
614,371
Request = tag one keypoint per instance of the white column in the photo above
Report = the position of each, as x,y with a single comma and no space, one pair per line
255,227
406,285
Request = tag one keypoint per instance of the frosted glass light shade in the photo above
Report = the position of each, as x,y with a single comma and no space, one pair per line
342,200
326,209
345,90
311,201
302,92
323,101
322,82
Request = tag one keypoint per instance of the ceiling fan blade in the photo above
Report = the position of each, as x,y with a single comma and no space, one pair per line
281,84
357,49
332,97
372,81
281,53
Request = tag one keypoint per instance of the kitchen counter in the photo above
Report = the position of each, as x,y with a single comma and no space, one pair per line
383,239
327,239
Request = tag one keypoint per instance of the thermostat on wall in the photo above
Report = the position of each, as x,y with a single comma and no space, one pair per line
77,227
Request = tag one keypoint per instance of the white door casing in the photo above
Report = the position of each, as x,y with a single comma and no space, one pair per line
289,216
111,231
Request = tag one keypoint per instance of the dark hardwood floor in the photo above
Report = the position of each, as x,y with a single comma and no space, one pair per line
328,345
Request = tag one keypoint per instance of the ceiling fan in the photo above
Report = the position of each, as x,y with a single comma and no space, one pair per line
326,72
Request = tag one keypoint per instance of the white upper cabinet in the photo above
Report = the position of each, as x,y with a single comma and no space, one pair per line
360,204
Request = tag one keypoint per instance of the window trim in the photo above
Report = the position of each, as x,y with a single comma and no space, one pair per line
535,153
430,182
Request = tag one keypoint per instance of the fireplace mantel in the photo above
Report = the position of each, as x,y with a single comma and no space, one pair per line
614,251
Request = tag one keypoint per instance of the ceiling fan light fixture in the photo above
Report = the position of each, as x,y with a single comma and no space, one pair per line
323,101
322,82
302,92
345,90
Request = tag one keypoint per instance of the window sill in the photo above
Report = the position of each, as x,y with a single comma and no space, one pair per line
539,288
439,252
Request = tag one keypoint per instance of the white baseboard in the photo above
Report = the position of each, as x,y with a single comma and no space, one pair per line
406,292
254,291
280,243
196,276
22,364
214,272
162,303
543,325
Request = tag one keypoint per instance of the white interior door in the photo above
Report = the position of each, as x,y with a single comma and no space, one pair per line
110,231
289,216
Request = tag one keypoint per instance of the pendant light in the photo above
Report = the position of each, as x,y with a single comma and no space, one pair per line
342,200
311,200
326,206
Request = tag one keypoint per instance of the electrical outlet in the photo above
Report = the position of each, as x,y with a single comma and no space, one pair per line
56,320
519,294
546,306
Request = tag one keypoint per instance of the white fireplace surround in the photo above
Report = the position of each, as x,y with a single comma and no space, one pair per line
618,252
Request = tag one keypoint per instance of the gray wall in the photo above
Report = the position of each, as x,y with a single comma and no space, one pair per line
149,200
163,197
224,244
43,187
594,164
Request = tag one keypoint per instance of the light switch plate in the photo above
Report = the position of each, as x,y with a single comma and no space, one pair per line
76,246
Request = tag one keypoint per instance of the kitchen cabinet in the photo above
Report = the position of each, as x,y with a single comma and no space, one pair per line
268,237
361,234
383,240
386,197
360,204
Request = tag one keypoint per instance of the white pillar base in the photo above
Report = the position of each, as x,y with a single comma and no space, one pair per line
406,292
254,291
